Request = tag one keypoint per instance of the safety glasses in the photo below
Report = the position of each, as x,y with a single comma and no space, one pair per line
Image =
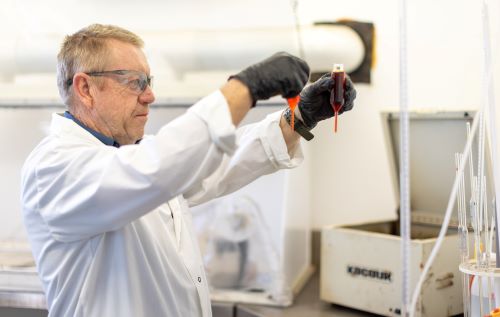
135,80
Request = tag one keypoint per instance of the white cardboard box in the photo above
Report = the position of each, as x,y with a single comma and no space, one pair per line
361,268
361,264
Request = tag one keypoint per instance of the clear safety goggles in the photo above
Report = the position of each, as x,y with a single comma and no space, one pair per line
135,80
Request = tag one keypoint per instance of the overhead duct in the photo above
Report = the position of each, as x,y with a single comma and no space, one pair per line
235,49
181,52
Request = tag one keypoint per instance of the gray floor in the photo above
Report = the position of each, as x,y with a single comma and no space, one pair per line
18,312
307,304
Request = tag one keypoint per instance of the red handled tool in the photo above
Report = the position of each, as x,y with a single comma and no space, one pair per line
292,103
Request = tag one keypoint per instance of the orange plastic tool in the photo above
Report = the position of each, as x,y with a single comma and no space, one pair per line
495,312
292,103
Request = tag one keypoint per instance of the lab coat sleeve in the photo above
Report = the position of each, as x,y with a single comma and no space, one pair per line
261,150
81,188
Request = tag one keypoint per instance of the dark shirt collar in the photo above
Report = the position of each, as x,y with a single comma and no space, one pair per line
101,137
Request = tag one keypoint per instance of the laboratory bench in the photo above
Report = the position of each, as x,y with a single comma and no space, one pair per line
307,303
18,302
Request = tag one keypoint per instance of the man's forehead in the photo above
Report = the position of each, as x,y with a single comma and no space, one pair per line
127,56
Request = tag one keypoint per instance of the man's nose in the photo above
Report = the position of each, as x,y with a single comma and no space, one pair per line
147,96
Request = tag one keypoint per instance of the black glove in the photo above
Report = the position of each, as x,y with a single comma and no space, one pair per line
314,104
281,74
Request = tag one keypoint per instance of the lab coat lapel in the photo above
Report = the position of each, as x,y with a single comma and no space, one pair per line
189,251
175,207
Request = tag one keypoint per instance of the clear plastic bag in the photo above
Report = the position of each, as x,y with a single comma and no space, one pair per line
237,250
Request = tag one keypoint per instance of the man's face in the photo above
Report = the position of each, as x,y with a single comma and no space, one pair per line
120,106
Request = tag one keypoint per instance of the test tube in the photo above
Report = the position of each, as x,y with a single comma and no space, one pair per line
337,95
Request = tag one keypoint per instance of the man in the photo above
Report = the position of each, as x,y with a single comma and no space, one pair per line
106,208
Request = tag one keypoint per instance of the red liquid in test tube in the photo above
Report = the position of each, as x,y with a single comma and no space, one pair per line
337,94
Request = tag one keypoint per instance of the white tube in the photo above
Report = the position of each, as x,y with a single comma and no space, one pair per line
471,163
480,193
490,98
404,176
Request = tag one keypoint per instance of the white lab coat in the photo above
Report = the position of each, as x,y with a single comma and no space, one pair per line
110,228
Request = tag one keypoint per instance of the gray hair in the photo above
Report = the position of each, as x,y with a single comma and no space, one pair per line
87,50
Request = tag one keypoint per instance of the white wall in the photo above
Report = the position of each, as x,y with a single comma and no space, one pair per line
351,175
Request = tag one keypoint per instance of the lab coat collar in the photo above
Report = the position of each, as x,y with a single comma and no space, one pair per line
101,137
63,125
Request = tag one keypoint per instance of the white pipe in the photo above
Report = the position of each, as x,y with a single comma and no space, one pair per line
208,50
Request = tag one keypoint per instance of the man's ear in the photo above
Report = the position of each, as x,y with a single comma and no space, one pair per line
81,89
